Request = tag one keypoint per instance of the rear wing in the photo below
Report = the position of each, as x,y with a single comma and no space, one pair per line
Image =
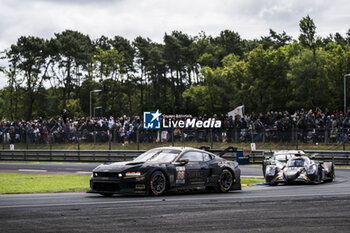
219,152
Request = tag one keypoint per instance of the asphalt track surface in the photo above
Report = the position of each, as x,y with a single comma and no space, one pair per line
81,168
284,208
47,167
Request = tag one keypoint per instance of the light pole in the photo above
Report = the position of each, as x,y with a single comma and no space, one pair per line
347,75
93,91
98,107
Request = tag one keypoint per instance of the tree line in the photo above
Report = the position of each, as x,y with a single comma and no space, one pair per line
184,74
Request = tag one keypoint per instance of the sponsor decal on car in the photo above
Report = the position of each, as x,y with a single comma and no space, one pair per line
180,175
140,186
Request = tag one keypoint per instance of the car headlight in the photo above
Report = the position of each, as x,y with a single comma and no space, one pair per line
270,171
235,164
312,169
128,174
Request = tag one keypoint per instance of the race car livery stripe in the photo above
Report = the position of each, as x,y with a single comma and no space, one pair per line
305,177
274,179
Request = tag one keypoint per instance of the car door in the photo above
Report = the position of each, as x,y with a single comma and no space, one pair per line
206,166
196,170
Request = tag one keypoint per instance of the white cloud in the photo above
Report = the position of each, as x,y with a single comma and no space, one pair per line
152,18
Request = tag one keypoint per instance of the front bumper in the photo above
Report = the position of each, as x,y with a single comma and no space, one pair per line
281,179
109,185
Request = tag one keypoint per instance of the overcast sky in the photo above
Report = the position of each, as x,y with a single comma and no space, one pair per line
152,18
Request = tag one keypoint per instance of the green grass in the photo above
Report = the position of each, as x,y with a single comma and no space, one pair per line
28,183
252,180
216,145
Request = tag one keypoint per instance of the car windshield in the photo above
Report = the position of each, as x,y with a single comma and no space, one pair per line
158,155
296,163
282,158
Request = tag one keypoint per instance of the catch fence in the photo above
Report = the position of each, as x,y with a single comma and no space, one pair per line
141,136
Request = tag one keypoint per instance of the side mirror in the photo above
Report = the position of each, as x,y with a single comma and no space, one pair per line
184,161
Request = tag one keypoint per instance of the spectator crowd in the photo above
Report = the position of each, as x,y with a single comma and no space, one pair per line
306,126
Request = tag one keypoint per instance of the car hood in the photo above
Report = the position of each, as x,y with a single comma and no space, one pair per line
124,166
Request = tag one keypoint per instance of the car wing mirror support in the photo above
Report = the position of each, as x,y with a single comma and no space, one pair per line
184,161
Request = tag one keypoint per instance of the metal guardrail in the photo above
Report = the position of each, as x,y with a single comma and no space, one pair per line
78,155
69,155
256,157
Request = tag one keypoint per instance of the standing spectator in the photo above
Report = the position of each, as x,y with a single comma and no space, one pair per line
64,116
259,128
111,123
37,134
45,134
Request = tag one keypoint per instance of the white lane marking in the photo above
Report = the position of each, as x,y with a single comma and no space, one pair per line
31,170
257,177
173,200
83,172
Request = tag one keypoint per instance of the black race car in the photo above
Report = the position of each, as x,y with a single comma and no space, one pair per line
300,169
166,169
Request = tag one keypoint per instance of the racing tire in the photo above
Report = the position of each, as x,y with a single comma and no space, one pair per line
157,183
319,178
225,181
265,163
332,175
